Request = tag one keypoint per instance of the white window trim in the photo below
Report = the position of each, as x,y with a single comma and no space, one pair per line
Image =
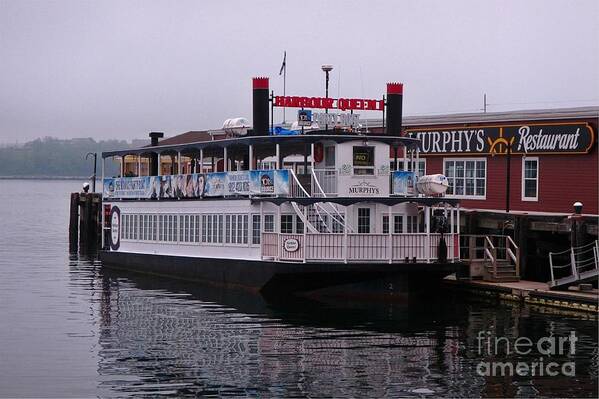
400,161
468,197
530,199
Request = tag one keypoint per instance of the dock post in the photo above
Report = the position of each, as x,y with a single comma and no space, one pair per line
521,232
74,222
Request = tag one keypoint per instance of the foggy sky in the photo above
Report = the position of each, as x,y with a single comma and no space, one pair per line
119,69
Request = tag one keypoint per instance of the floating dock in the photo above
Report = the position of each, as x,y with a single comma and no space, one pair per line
530,292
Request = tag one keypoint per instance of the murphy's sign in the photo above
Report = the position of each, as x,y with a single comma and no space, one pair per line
556,138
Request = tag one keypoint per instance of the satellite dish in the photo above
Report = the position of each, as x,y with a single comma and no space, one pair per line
236,126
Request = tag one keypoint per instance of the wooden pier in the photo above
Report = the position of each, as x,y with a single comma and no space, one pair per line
530,292
85,221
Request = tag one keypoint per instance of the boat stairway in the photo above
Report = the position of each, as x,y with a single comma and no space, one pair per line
320,217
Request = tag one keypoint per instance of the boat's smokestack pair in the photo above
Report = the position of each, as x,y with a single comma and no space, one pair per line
261,114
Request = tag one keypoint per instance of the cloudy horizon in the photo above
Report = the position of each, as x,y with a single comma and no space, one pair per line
121,69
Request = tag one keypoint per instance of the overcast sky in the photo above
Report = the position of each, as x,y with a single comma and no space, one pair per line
119,69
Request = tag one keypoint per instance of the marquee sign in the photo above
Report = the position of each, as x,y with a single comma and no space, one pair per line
531,139
343,104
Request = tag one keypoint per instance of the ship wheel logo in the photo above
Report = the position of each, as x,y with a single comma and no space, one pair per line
500,144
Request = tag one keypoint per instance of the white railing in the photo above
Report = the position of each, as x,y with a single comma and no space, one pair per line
296,190
574,264
392,248
324,183
270,245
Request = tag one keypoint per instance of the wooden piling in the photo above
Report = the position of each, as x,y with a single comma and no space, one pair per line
74,221
85,221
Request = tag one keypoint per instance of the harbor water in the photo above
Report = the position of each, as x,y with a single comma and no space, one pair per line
71,328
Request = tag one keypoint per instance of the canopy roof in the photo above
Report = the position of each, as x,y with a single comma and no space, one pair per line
394,141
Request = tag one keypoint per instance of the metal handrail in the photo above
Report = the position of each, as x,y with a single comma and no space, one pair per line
575,265
341,219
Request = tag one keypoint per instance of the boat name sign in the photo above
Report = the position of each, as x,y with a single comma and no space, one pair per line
291,245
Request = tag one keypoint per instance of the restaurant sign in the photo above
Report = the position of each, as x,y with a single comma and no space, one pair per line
556,138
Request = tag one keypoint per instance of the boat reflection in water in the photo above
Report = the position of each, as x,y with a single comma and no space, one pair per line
160,336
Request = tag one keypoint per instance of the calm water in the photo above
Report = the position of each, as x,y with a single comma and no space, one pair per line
69,328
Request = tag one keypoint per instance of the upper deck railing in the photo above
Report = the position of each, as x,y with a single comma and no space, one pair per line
279,182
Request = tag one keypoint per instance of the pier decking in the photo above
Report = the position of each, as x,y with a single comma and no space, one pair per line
531,292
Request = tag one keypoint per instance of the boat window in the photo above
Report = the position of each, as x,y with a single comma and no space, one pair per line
255,229
329,156
398,224
337,224
299,225
364,220
269,223
412,223
363,160
287,224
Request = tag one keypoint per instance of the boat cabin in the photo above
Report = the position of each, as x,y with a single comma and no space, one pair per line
330,197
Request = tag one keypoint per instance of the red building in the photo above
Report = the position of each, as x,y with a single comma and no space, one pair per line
550,157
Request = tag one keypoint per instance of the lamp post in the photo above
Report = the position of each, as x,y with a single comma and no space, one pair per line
95,155
327,68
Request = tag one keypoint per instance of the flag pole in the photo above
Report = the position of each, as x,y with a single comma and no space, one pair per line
284,72
284,82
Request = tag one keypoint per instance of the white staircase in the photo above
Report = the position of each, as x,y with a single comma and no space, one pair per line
323,217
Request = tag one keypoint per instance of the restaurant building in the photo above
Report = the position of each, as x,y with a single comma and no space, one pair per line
518,173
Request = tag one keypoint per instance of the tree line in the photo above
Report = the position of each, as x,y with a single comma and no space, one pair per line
52,157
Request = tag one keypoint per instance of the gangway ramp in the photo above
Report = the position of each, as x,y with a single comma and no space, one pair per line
574,266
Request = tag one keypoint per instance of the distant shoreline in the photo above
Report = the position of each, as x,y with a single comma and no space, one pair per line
85,178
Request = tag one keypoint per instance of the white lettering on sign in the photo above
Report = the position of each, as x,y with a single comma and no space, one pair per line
448,141
291,245
336,119
537,142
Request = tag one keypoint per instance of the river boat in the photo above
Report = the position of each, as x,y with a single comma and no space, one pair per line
225,210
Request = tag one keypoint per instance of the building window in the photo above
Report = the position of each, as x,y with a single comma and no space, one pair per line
530,179
385,224
466,177
407,165
363,160
287,224
398,224
255,229
364,220
269,223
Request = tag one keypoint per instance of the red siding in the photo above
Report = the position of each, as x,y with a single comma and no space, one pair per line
563,180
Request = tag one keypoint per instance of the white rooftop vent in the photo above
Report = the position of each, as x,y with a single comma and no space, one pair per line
236,126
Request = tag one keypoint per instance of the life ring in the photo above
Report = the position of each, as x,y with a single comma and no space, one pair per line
318,152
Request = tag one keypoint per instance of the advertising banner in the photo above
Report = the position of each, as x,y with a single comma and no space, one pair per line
198,185
404,183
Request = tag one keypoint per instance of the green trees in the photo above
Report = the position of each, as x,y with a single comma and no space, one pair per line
50,156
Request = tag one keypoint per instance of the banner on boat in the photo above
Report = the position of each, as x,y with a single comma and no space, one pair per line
404,183
198,185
